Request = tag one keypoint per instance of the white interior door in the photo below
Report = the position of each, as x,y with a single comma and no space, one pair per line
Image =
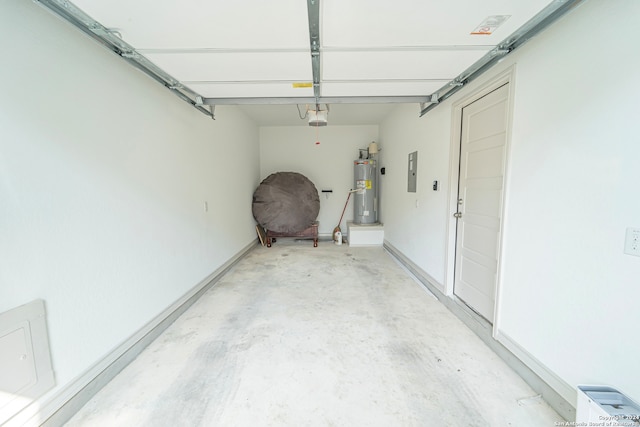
482,165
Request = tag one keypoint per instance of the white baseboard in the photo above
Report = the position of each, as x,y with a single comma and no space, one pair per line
558,394
425,278
60,407
558,384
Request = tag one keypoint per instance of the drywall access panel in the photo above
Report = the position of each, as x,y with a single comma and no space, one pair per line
25,362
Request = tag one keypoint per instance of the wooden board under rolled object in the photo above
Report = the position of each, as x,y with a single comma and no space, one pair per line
262,234
310,233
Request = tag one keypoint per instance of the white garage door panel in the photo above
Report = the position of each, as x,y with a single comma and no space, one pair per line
153,24
380,88
416,64
221,67
418,23
249,90
367,48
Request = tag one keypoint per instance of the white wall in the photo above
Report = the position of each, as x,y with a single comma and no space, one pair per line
568,293
568,284
329,165
416,223
103,179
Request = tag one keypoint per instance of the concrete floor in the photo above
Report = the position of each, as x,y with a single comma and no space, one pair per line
329,336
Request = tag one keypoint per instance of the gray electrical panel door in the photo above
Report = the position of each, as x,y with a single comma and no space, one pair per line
412,172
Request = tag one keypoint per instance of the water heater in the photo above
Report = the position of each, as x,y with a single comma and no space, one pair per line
365,204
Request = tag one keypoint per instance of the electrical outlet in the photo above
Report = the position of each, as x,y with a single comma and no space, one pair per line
632,241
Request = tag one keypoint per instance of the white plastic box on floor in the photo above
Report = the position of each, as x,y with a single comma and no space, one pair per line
605,406
365,234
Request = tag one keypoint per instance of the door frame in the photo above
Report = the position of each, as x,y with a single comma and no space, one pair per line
507,76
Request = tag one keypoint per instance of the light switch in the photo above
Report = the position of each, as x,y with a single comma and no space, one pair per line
632,241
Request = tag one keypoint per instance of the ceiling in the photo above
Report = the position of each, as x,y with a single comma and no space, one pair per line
273,55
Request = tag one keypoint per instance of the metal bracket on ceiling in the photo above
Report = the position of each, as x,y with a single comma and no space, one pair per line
101,30
130,55
433,100
115,32
199,103
499,52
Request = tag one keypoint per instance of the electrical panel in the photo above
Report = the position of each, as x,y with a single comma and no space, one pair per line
412,177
